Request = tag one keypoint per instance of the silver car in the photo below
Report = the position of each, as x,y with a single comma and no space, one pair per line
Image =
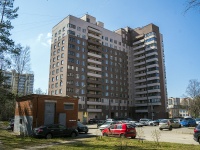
169,124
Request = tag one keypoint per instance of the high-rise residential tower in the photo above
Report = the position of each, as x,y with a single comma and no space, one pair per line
23,83
115,74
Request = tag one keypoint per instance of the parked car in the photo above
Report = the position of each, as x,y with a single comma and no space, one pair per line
107,124
188,122
93,121
197,120
136,123
168,124
196,134
82,128
11,125
153,123
144,121
54,130
100,122
120,130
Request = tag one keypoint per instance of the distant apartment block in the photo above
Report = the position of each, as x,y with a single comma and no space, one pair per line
115,74
25,82
178,107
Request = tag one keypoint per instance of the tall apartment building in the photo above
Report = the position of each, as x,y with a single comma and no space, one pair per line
115,74
25,81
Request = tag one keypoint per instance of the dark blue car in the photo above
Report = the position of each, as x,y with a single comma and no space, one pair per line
188,122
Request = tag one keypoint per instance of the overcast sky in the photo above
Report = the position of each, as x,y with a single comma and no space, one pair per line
181,32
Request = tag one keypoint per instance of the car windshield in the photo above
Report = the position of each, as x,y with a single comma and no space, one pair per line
107,123
163,121
197,119
80,124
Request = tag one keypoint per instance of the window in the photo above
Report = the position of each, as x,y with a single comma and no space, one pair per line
63,41
71,26
62,55
63,48
58,51
77,55
68,106
71,32
62,62
60,91
84,30
71,46
106,38
63,28
72,39
111,40
71,60
61,69
58,57
79,28
52,79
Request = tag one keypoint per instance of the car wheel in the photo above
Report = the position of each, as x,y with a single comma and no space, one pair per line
179,126
122,135
86,132
48,136
73,134
170,128
199,140
151,124
133,137
104,134
160,128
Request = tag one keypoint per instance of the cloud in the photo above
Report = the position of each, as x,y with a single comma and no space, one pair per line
44,39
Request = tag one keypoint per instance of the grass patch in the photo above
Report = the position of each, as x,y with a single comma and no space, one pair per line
111,143
10,141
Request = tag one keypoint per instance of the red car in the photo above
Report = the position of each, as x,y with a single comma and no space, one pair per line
120,130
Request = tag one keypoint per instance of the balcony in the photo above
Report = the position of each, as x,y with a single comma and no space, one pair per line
94,103
152,59
138,58
140,98
140,80
140,86
94,95
94,55
154,91
94,48
153,84
94,30
94,75
94,68
140,52
94,42
139,69
94,61
94,88
150,54
141,111
154,71
150,48
94,81
154,97
141,92
139,63
152,78
153,65
94,110
140,104
94,36
137,42
140,75
138,47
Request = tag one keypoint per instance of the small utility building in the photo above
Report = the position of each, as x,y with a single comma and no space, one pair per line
35,110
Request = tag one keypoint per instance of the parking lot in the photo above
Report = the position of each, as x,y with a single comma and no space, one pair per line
177,135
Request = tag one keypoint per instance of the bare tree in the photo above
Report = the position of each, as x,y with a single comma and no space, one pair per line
21,62
194,108
39,91
192,4
193,88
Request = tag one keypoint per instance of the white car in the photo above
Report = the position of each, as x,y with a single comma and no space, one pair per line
105,125
136,123
144,121
197,120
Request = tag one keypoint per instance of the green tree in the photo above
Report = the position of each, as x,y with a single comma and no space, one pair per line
8,13
192,4
7,47
21,62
